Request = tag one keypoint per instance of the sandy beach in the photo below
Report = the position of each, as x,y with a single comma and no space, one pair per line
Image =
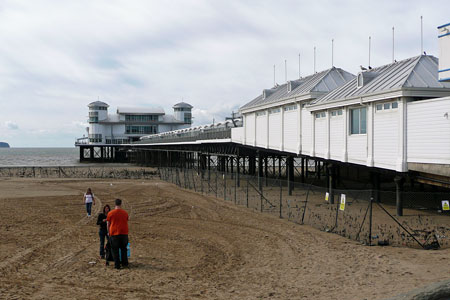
186,246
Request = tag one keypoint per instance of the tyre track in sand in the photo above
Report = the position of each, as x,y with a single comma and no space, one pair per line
13,262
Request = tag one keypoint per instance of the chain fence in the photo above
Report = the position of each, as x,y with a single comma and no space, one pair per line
350,213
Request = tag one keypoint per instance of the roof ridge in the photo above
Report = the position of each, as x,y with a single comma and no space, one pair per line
412,72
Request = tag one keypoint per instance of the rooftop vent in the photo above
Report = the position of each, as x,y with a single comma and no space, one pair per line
364,78
292,85
267,93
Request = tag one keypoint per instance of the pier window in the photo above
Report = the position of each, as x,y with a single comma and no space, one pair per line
141,118
290,107
336,113
135,129
260,113
95,138
274,110
358,121
320,115
386,106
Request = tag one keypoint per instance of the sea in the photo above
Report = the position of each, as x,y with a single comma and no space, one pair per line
39,157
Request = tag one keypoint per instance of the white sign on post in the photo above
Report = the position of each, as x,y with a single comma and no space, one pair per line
327,196
445,205
342,206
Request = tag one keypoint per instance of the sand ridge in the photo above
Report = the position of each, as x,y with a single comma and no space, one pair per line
187,246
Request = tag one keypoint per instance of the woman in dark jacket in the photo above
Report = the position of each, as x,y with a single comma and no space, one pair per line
103,232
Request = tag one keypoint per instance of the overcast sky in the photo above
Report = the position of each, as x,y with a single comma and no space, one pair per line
58,56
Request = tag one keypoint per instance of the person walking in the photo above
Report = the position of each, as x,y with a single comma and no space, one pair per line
89,199
117,223
103,231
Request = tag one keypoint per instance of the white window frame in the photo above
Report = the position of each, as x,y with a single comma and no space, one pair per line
359,117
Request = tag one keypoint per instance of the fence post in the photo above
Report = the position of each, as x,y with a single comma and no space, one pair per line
281,198
216,182
247,191
235,188
224,186
370,221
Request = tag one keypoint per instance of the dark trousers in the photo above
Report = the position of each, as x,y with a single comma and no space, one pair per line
119,242
88,208
102,234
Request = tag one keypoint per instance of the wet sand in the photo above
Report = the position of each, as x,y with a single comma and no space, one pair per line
187,246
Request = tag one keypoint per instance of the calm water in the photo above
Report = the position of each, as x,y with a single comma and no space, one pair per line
39,157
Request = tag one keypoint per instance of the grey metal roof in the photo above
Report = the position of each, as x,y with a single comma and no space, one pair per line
97,103
182,105
324,82
415,72
140,110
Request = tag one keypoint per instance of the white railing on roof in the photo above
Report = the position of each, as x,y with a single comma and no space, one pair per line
221,130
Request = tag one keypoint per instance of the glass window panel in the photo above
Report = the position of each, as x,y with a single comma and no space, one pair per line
322,114
363,120
387,106
354,121
394,104
339,112
333,113
317,115
379,106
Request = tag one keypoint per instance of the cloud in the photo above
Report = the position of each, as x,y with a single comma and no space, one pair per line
11,125
57,57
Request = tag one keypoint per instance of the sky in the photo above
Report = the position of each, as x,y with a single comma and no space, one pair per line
58,56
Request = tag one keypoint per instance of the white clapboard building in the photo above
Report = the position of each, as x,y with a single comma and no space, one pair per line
129,124
278,118
393,117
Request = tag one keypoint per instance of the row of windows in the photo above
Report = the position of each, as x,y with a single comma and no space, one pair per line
95,138
141,118
290,107
274,110
386,106
358,119
182,109
333,113
117,141
320,115
93,114
93,120
98,108
131,129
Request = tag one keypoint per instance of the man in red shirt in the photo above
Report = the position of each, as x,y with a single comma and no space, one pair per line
117,222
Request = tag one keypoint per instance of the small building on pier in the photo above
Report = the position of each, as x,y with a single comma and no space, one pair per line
127,125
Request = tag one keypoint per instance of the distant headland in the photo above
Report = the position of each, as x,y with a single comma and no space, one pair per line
4,145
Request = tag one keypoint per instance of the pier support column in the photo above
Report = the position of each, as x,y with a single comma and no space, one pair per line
290,173
399,181
238,171
252,165
331,182
209,167
273,168
266,169
302,175
375,186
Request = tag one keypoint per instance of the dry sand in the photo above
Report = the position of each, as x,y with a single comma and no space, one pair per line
187,246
